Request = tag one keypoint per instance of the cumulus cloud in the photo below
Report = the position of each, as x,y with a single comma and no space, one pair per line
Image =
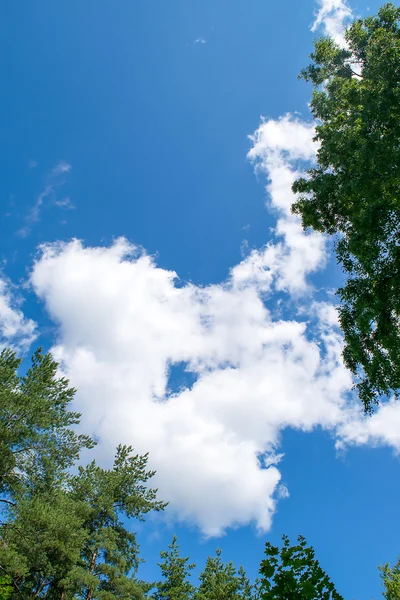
15,329
124,323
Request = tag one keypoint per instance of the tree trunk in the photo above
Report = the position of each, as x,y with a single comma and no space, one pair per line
92,564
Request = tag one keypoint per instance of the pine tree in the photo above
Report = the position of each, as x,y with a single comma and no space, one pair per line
246,590
391,581
63,537
175,571
110,556
41,543
221,581
37,442
41,533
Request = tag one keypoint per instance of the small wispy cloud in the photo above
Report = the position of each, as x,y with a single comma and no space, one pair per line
200,41
61,167
64,203
55,179
32,164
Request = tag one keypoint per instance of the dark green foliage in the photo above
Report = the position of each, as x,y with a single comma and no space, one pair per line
37,443
73,542
175,571
111,553
354,191
294,572
41,543
391,581
41,531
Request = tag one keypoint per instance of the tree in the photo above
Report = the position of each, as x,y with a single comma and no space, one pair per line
353,193
37,442
73,543
41,544
175,571
41,532
110,555
63,537
246,590
391,581
294,572
221,581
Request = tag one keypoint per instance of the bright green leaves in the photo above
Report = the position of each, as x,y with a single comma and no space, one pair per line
5,587
354,191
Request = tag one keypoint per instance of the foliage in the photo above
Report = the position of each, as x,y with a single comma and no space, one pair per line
354,190
5,587
63,536
37,443
111,553
221,581
246,590
73,543
41,543
175,571
294,572
391,581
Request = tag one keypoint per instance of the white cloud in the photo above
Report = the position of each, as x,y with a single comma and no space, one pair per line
280,148
15,330
382,428
123,322
331,17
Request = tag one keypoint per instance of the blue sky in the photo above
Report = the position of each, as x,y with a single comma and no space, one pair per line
132,120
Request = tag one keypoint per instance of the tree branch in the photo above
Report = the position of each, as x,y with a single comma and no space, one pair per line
7,502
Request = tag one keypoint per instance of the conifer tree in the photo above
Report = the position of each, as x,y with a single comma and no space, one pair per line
391,581
110,556
37,442
176,572
63,537
221,581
